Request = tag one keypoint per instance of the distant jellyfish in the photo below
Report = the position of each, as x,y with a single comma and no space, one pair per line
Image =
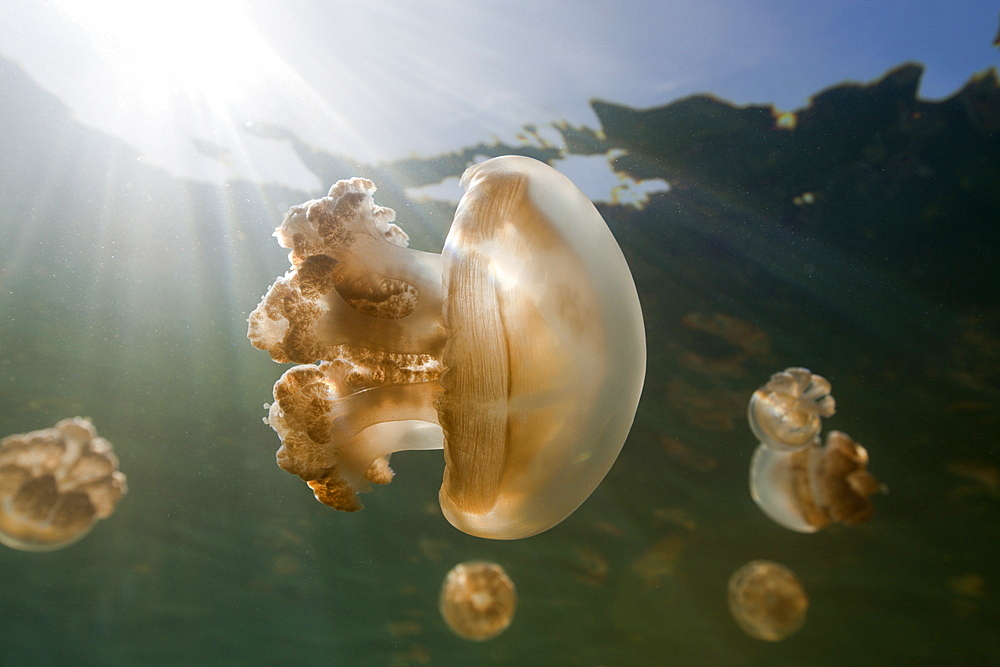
785,413
767,600
55,484
808,489
478,600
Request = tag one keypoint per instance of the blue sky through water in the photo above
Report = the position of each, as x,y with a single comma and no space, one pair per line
382,80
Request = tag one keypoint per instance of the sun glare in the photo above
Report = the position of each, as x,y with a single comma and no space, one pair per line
180,79
207,47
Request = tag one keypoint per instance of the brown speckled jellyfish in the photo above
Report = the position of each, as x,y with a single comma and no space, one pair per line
520,349
477,600
55,484
785,413
808,489
767,600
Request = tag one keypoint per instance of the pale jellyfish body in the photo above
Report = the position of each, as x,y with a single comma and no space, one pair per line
523,342
797,482
477,600
808,489
55,484
767,600
535,278
785,414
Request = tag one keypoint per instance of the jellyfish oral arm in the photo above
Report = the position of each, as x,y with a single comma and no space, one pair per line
339,421
353,282
356,412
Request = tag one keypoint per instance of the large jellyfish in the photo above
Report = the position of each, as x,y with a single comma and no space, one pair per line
55,484
520,349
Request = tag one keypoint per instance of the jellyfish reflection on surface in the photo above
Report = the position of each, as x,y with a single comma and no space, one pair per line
808,489
55,484
767,600
519,350
785,413
478,600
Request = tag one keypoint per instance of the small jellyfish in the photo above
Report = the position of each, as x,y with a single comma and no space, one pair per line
808,489
478,600
55,484
785,413
767,600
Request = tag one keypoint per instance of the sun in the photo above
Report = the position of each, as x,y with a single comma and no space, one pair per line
180,80
208,48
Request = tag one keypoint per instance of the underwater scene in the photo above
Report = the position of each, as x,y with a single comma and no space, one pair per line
700,381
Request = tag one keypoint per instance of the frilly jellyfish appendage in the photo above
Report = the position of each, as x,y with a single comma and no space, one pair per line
808,489
55,484
785,414
767,600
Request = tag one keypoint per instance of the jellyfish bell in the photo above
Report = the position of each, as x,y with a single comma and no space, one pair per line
808,489
767,600
477,600
55,484
522,343
785,414
546,352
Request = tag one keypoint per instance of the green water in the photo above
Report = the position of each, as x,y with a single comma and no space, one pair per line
124,295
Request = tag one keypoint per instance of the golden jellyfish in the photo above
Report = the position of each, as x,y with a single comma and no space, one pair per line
767,600
519,350
55,484
477,600
808,489
785,413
